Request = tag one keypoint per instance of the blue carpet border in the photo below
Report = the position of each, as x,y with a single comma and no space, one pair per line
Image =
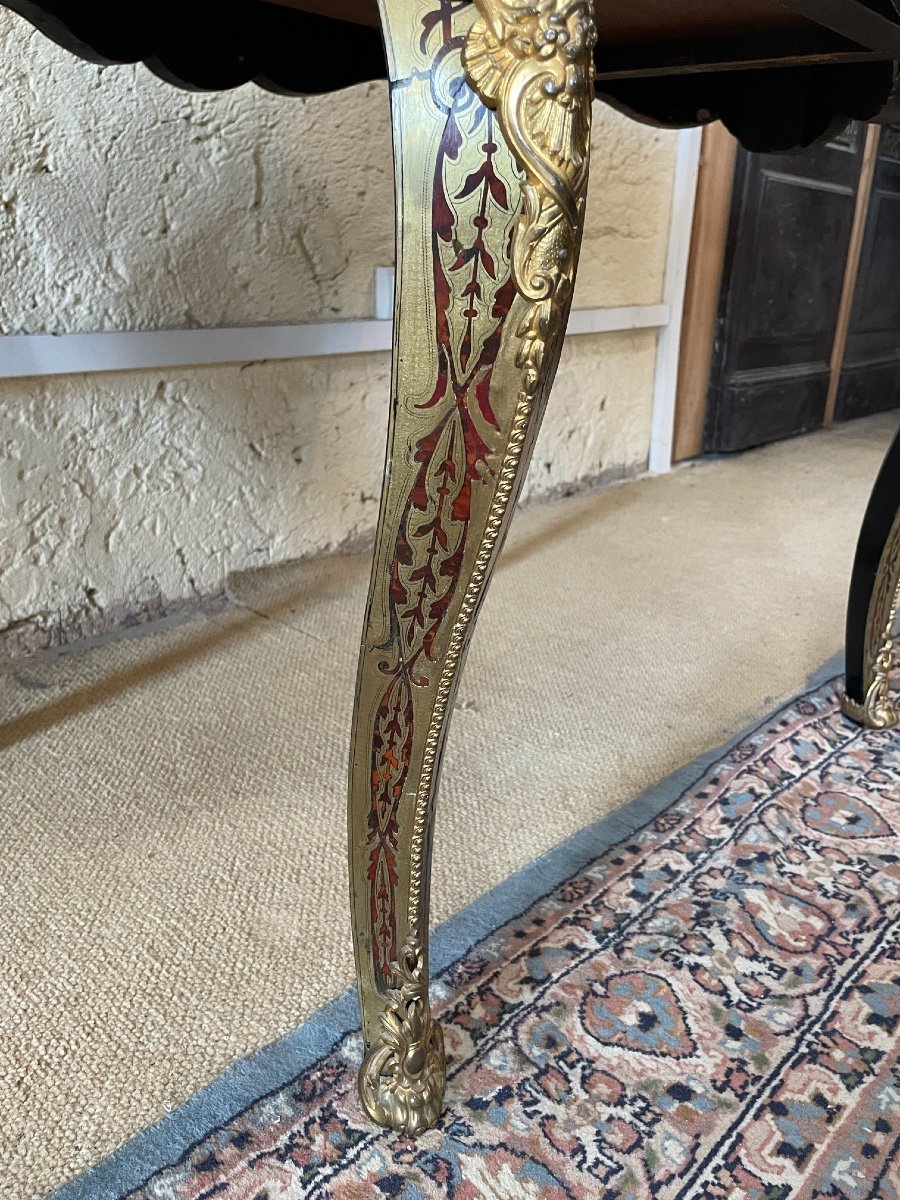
273,1066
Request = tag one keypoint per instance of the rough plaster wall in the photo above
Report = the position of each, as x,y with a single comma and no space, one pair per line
598,421
125,204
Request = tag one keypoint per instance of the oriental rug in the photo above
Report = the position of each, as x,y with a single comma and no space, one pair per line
707,1010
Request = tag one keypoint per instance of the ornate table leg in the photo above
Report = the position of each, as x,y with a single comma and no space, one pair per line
491,111
874,599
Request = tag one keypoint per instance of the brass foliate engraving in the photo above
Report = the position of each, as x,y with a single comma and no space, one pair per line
533,64
498,209
402,1078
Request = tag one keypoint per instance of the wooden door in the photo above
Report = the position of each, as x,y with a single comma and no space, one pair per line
870,375
786,253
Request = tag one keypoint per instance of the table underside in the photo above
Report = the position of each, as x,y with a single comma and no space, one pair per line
668,62
671,63
637,38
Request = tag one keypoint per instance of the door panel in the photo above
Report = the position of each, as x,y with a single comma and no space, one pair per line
787,246
870,379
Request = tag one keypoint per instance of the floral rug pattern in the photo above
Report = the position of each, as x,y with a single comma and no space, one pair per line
708,1012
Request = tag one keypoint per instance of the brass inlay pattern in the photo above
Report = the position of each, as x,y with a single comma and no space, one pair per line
532,64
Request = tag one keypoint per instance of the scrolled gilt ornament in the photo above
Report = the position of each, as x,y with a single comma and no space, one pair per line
533,63
403,1076
881,708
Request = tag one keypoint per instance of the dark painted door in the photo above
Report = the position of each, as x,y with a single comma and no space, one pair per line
870,379
788,239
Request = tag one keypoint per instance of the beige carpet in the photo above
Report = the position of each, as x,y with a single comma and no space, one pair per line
172,875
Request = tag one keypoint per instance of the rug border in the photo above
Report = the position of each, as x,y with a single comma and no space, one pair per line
273,1066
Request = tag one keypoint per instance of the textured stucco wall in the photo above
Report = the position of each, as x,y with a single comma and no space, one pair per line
125,204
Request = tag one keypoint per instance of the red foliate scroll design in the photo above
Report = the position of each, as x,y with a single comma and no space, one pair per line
457,453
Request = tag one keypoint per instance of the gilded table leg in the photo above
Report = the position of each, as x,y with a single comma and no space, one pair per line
491,111
874,600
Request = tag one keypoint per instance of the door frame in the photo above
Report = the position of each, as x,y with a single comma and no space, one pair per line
706,265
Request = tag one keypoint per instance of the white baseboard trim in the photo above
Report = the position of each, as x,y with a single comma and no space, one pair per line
37,355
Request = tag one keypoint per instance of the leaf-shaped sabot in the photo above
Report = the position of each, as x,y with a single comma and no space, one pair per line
402,1078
